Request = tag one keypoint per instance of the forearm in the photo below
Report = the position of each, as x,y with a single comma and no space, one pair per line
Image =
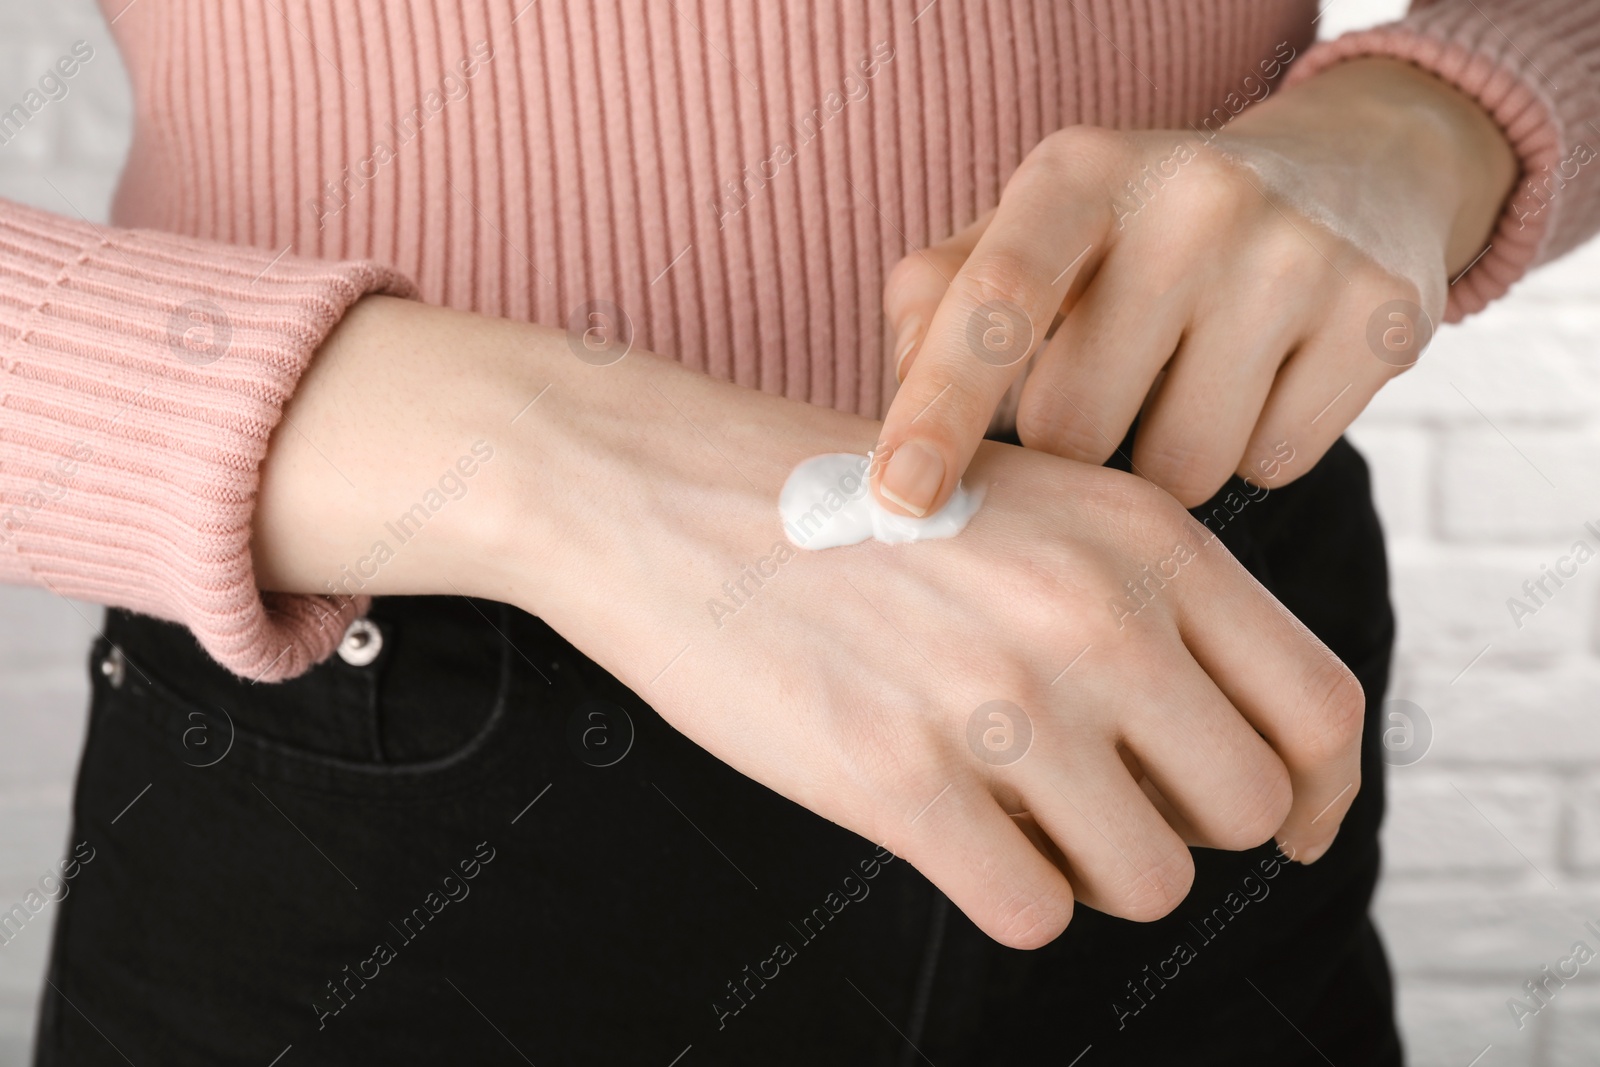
599,475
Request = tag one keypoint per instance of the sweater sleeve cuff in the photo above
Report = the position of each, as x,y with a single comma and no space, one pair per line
142,374
1531,67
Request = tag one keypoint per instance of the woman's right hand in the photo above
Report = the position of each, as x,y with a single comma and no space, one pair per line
1156,694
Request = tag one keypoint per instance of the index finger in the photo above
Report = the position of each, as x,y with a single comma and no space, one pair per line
1052,222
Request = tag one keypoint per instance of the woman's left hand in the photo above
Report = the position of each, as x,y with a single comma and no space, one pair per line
1248,292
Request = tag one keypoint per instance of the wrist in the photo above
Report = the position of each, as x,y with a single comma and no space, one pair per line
387,471
1433,146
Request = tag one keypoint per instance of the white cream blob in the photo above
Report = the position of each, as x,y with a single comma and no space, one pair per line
826,503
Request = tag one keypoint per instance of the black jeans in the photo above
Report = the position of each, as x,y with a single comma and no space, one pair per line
481,848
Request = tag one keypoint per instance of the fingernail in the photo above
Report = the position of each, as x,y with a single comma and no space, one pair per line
913,477
1317,851
913,333
1310,854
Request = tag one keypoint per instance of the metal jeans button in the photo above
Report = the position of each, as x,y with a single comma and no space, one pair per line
362,643
114,667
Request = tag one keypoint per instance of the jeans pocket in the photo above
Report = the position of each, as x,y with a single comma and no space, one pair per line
433,713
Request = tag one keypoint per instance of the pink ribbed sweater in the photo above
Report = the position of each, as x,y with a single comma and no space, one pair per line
519,157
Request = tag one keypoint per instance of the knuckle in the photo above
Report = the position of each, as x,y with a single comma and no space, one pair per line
1392,371
1123,497
1158,515
1380,285
1332,711
1263,805
1396,305
1032,921
1009,307
1054,153
1211,190
1191,475
1002,276
1286,262
1072,147
1154,892
1046,423
1264,462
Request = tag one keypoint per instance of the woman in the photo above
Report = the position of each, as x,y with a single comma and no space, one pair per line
609,771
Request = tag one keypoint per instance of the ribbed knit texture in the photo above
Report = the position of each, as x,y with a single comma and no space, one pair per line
143,374
722,170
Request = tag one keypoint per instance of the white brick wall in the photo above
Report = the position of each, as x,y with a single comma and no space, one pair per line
1493,838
